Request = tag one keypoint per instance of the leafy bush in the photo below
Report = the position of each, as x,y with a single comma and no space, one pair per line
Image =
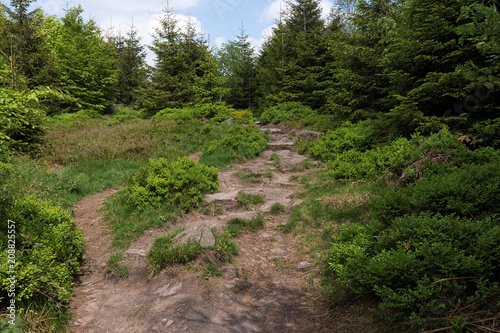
21,120
472,190
240,142
183,183
421,265
371,163
288,111
360,136
48,248
216,112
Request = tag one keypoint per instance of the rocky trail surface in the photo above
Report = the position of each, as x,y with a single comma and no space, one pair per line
269,287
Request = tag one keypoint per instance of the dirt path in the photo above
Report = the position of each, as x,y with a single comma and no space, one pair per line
268,288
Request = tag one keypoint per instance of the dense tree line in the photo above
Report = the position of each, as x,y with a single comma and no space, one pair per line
414,65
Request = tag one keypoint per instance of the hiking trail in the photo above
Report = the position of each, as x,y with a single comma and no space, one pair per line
269,287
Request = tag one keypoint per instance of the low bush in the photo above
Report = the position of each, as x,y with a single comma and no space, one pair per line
468,191
372,163
48,247
423,266
182,183
239,142
360,136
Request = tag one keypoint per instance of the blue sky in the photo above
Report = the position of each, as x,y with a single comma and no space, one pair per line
220,20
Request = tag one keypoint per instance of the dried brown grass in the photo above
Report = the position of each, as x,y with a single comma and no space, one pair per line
92,140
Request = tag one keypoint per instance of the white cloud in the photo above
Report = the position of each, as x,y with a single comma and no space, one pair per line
219,41
273,9
326,7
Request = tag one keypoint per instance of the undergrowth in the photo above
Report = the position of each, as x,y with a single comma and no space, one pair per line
411,224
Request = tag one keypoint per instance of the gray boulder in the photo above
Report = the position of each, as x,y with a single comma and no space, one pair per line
310,135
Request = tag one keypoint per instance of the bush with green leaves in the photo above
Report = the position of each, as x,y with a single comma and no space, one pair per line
48,249
421,266
360,136
468,191
21,119
372,163
239,142
182,183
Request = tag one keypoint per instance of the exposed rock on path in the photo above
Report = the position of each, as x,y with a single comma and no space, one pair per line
265,289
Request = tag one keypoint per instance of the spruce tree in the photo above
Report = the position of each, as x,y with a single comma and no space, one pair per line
182,59
22,45
130,64
237,65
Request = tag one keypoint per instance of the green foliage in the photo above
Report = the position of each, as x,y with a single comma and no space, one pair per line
371,163
82,54
236,62
360,136
48,249
248,176
226,248
183,183
239,142
472,190
291,112
411,263
131,65
21,120
276,161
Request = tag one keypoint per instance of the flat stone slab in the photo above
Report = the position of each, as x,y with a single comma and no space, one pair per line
169,289
272,130
220,197
277,194
195,233
310,135
294,162
242,216
280,145
135,252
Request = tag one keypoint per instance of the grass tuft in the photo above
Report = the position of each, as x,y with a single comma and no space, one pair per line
114,267
237,226
245,200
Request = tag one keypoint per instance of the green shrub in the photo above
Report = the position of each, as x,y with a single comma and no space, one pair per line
277,209
360,136
239,142
288,111
371,163
472,190
114,267
48,248
21,119
418,266
225,247
183,183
